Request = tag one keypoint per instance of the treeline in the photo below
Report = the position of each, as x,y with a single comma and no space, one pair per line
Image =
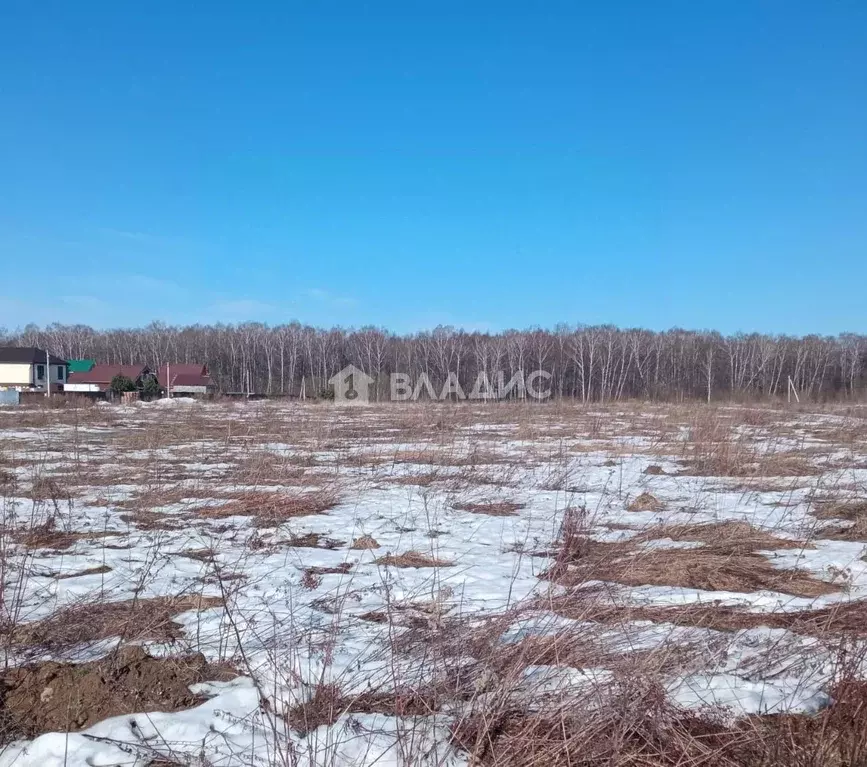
596,364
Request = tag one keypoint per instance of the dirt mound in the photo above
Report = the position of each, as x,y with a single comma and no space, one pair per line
66,697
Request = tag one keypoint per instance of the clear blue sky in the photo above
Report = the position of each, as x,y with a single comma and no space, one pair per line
491,165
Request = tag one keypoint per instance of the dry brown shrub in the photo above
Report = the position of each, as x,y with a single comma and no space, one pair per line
324,707
310,581
49,489
133,620
491,508
364,542
67,697
412,559
653,469
645,502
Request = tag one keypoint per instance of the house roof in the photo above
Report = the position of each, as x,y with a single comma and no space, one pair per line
190,379
102,374
27,355
184,375
80,366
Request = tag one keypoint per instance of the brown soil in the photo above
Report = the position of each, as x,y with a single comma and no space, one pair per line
66,697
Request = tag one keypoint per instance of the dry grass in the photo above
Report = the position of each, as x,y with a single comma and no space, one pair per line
629,723
645,502
270,509
844,619
491,508
581,559
364,542
47,536
312,541
412,559
732,537
134,620
98,570
634,726
422,479
854,511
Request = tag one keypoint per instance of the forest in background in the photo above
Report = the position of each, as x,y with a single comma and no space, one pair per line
588,363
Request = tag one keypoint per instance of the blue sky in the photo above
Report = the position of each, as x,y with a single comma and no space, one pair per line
408,164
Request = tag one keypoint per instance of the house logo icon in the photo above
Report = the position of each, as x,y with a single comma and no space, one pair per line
351,386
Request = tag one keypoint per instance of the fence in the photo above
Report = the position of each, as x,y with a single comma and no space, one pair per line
9,397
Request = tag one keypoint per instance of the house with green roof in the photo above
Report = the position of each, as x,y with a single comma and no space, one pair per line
81,366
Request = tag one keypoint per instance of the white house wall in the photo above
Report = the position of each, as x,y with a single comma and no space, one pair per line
15,374
81,387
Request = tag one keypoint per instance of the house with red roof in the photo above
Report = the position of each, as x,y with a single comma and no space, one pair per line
98,379
186,379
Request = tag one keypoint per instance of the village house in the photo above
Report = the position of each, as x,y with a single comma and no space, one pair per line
185,379
80,366
26,368
97,380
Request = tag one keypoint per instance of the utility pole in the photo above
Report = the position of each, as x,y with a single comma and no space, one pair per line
793,390
47,374
168,380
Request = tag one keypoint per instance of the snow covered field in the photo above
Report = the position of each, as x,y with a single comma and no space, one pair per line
403,584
